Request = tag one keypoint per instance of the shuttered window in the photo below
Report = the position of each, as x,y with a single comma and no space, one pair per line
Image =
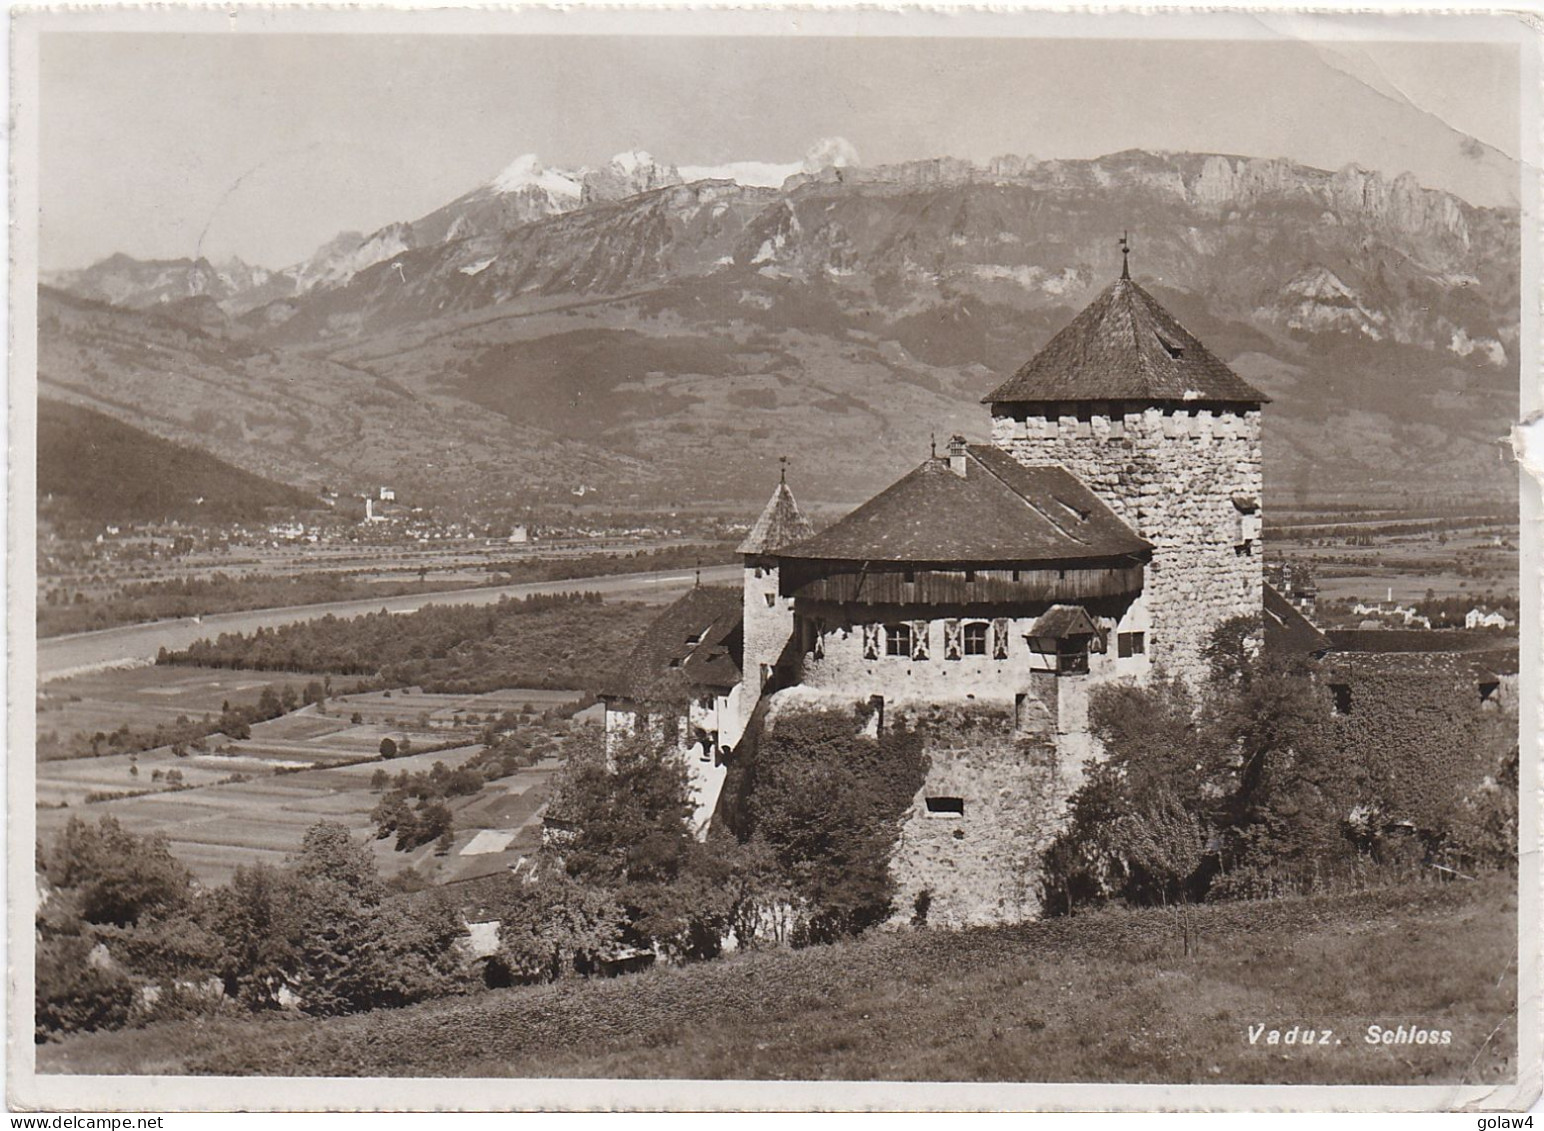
1000,638
871,642
954,646
919,639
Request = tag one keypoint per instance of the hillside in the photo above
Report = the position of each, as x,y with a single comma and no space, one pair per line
667,346
1101,997
92,466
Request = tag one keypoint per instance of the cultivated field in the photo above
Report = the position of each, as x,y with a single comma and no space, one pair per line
303,767
1101,997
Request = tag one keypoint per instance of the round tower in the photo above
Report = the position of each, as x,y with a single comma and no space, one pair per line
1136,407
768,623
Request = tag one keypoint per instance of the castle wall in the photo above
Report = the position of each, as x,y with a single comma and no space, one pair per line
831,642
982,864
768,623
1173,475
706,769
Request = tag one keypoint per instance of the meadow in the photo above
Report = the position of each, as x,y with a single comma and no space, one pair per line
250,801
1108,996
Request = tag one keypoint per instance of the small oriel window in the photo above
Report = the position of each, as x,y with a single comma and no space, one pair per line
946,806
898,640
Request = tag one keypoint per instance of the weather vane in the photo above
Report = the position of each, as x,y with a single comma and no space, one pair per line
782,471
1125,255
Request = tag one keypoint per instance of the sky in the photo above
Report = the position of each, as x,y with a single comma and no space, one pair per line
265,146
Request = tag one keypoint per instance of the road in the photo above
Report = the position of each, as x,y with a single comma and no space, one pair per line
63,655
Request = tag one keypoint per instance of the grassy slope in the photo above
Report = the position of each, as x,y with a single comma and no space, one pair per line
1102,997
106,469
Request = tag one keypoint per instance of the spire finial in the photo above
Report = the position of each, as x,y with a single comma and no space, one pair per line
932,443
1125,255
782,471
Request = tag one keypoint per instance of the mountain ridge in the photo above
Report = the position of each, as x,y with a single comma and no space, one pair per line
670,343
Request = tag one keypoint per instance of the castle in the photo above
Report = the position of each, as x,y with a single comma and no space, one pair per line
1112,523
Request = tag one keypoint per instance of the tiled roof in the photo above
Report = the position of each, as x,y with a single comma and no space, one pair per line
1287,630
1061,621
781,522
999,511
692,647
1411,640
1125,346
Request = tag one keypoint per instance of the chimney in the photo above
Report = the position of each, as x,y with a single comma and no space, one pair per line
957,455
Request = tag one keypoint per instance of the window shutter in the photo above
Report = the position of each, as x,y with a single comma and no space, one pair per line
871,642
1000,638
954,640
820,638
919,639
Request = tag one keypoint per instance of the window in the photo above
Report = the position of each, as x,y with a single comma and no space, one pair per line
1128,644
1000,638
975,638
771,599
1072,662
1342,693
871,642
919,639
898,640
946,806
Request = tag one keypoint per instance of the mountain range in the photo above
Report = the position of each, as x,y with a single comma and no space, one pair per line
642,334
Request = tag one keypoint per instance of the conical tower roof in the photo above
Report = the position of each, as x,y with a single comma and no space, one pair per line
1125,347
780,524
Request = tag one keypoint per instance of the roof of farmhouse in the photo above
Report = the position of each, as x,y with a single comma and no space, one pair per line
997,512
692,646
1125,347
781,523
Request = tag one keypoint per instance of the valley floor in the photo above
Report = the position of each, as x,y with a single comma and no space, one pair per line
1102,997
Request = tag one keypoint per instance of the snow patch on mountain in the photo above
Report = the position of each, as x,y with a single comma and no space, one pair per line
751,174
827,153
527,171
1463,345
1317,300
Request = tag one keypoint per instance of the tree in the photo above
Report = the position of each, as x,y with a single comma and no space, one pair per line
339,947
72,993
1169,843
117,876
420,955
258,918
631,807
829,802
558,927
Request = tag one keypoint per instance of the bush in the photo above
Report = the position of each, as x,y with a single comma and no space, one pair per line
73,994
829,803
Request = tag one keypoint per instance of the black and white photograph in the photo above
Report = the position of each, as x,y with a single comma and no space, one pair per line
749,559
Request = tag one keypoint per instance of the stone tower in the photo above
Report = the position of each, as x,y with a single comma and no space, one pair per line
768,614
1129,401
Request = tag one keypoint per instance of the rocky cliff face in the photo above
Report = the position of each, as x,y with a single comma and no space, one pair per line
1382,318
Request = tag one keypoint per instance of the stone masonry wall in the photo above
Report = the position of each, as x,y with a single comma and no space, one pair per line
768,623
1172,474
982,865
838,663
